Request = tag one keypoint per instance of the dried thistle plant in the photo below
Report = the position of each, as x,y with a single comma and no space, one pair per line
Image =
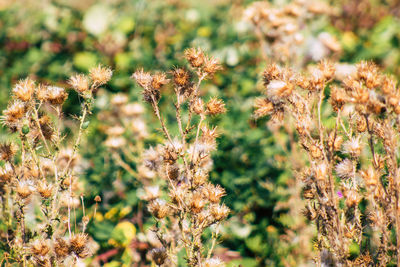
349,131
38,174
126,131
189,203
284,30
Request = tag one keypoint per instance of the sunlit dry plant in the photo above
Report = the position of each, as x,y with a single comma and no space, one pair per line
349,132
283,31
190,203
38,174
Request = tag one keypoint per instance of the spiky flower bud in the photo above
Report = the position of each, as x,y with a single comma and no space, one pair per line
353,147
79,82
278,89
211,66
345,169
195,57
215,106
13,113
40,247
24,188
44,189
78,245
219,212
315,151
262,107
336,142
24,89
338,98
199,178
6,173
214,193
352,198
100,75
142,78
178,195
181,77
159,208
368,72
56,95
197,202
327,68
159,80
61,248
198,106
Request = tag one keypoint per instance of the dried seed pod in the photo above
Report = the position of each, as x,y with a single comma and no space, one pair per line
78,245
24,89
195,57
159,208
100,75
61,248
220,212
181,77
159,255
79,82
215,106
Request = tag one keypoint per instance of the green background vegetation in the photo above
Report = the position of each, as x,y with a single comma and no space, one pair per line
54,39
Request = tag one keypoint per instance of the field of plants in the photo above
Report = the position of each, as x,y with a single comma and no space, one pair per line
199,133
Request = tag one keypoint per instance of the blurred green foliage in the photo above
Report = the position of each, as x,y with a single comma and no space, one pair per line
54,39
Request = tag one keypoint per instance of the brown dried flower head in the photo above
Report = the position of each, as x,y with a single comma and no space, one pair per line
159,80
13,113
7,151
159,208
263,107
220,212
211,66
159,255
215,106
44,189
195,57
56,95
197,202
345,169
24,188
142,78
40,247
78,245
61,248
79,82
353,147
214,193
198,106
272,72
6,173
24,89
278,89
181,77
100,75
